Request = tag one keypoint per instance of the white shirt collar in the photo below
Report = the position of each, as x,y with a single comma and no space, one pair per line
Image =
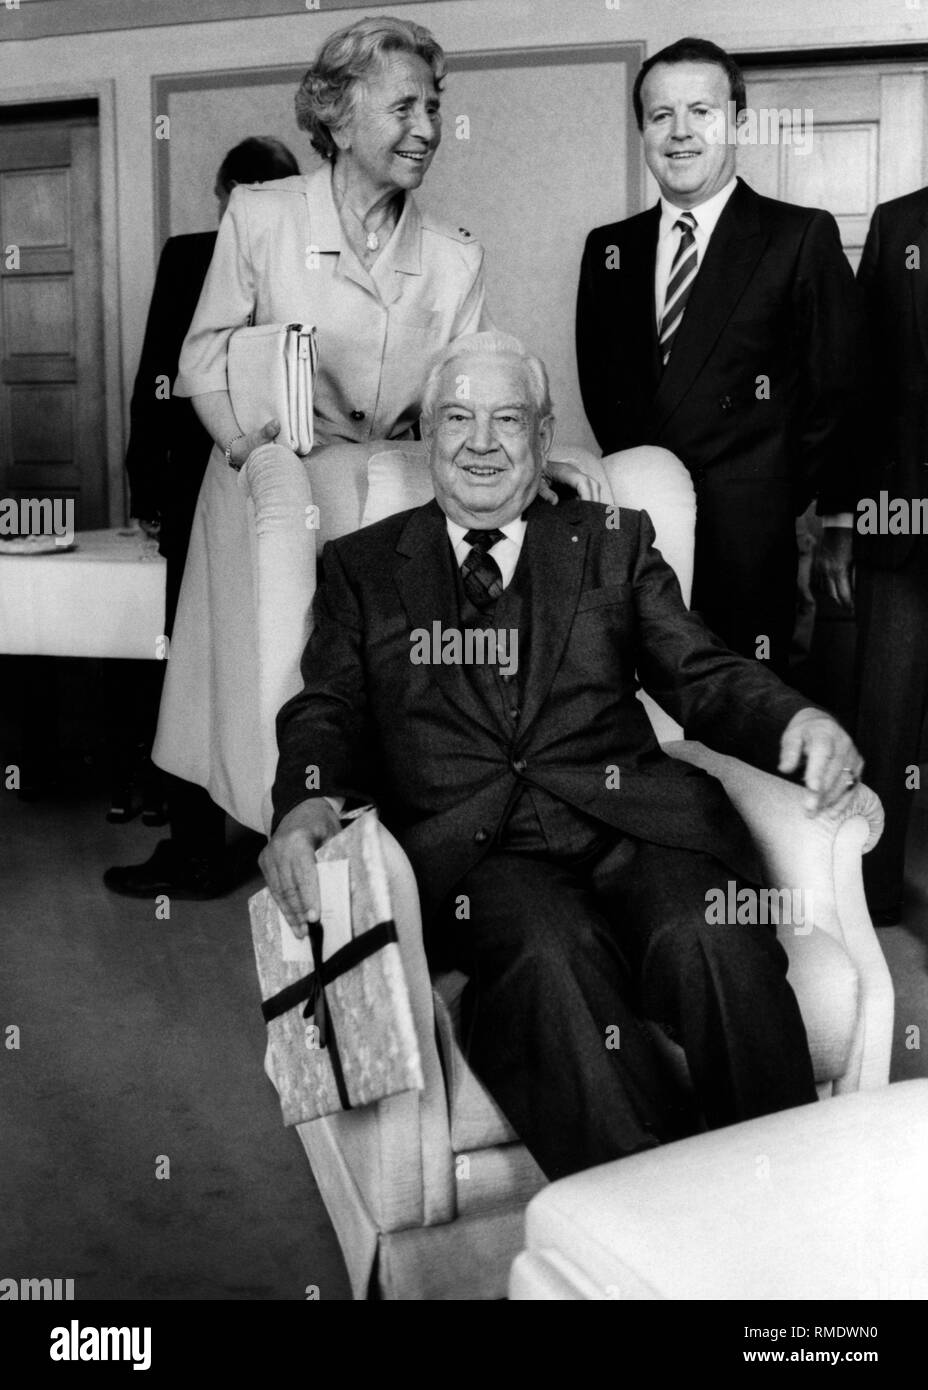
505,552
513,531
707,214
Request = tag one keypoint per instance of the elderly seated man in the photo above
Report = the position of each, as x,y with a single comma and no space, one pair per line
472,673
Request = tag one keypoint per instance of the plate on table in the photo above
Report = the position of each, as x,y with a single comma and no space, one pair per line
35,545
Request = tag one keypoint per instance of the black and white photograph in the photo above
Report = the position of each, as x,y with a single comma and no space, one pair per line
464,667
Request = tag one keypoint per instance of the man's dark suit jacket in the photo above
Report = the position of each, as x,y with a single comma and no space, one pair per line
774,298
438,759
893,276
168,447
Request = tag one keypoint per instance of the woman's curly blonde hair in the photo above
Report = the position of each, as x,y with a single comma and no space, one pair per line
325,96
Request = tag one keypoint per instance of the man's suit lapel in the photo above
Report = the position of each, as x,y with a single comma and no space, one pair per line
731,259
636,316
551,564
554,554
425,579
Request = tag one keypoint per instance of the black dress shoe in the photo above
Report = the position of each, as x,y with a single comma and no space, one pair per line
123,806
173,874
155,812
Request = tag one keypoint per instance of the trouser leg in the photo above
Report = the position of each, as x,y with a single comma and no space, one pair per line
198,825
549,1029
721,990
892,680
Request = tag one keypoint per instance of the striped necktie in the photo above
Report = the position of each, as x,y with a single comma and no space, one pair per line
480,574
679,286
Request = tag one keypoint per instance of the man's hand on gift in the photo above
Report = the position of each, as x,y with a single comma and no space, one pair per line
289,860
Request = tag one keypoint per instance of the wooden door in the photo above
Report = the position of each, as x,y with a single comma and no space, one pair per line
869,139
52,426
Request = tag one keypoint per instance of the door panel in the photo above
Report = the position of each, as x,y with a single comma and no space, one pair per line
51,369
867,141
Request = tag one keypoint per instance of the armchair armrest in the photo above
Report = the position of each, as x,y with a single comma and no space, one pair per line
821,855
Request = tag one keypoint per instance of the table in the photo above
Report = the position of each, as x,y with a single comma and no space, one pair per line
105,598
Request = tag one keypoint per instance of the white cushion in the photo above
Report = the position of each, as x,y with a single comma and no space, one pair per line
396,480
827,1201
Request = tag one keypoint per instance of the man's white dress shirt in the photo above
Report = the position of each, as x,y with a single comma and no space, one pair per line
707,215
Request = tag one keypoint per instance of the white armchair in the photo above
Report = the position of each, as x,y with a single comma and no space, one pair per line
426,1190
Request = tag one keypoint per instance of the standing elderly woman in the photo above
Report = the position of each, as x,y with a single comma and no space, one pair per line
348,250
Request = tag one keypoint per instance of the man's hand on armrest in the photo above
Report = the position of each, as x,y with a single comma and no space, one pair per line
832,763
289,860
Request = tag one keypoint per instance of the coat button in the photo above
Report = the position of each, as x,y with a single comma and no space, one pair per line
519,765
357,415
514,713
482,836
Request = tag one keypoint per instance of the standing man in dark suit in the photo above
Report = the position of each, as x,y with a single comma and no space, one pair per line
889,543
166,460
586,891
722,325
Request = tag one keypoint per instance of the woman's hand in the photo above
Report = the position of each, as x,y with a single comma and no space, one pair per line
247,443
587,488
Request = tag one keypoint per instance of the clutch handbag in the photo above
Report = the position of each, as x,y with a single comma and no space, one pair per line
339,1022
272,368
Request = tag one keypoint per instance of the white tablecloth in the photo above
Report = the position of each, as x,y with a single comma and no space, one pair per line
104,598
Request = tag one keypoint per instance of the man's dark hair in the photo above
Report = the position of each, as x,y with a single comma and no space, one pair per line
256,160
692,50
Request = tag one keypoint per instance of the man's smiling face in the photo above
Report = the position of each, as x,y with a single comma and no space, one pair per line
686,130
487,445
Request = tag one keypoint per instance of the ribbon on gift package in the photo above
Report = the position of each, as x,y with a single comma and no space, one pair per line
311,988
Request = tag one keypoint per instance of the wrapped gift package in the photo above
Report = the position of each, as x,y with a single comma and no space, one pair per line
340,1027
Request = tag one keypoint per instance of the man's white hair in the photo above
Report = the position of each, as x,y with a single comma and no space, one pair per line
489,345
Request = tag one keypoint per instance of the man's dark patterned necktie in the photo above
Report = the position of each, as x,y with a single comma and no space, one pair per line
680,285
480,573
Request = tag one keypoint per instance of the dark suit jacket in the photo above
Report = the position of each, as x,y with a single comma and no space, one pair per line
168,447
774,297
893,275
439,760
